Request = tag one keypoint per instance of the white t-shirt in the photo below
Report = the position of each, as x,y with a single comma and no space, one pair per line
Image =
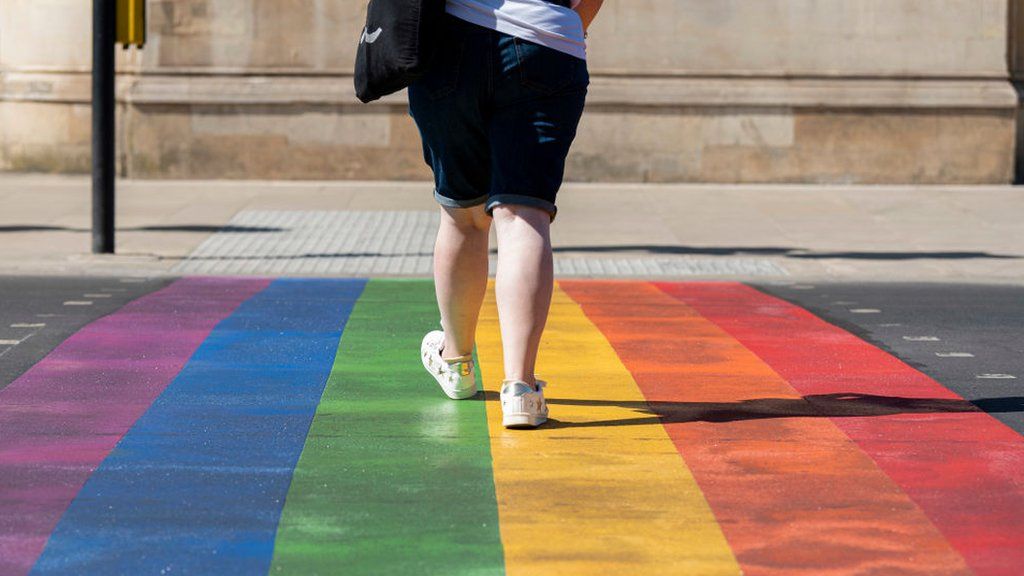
538,21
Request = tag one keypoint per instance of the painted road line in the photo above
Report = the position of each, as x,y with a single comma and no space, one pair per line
198,483
865,311
960,465
96,295
583,494
954,355
780,477
78,303
6,342
62,417
28,325
996,377
394,477
921,338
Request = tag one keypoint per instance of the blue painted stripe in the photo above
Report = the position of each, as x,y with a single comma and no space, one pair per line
198,484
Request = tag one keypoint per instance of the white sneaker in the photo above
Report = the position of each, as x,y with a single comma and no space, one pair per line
522,406
455,376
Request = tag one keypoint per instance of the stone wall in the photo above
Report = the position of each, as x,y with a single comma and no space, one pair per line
915,91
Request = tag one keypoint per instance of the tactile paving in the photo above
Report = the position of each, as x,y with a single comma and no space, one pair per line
396,243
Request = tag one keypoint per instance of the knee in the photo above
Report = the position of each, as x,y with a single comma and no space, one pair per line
505,213
468,220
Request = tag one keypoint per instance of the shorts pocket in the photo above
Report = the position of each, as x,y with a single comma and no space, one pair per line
548,70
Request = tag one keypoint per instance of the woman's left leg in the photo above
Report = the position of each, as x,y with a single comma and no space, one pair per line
460,275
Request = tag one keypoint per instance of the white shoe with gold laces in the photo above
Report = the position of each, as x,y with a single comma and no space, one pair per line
454,375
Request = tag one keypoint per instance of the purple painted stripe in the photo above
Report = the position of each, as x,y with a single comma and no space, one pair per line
62,417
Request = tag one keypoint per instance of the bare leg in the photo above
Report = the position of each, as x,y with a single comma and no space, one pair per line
460,275
524,285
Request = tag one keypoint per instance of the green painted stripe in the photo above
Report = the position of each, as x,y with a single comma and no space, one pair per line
394,478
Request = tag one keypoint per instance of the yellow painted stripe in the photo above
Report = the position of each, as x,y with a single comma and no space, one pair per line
582,494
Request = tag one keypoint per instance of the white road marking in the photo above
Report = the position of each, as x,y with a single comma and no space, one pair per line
921,338
96,295
866,311
996,376
47,315
954,355
78,303
845,302
27,325
9,342
890,325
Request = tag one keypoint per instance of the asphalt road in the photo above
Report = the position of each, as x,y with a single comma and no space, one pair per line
219,424
968,337
39,312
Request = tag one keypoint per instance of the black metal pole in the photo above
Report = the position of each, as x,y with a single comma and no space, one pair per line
103,30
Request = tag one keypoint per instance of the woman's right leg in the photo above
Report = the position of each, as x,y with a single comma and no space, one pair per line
525,282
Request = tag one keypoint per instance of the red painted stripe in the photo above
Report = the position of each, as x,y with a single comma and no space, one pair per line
792,493
963,468
62,417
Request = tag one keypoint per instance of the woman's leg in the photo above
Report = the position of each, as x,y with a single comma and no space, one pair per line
460,275
524,285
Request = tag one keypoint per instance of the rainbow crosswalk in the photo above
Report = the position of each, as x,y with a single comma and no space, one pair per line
228,425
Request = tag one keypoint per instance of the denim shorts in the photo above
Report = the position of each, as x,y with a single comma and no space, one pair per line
497,115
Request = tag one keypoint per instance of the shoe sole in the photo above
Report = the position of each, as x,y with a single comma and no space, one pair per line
459,394
518,421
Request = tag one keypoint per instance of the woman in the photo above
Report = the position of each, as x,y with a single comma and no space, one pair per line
497,113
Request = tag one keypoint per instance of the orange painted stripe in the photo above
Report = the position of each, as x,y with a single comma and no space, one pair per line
792,492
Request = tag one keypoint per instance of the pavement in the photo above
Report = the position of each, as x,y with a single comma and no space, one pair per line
885,233
743,380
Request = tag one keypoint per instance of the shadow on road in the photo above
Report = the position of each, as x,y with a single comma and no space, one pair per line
840,405
197,228
779,251
653,249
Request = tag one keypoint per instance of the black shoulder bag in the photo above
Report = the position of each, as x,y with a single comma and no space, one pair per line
396,45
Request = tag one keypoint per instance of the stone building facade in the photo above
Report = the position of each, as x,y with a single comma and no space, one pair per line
826,91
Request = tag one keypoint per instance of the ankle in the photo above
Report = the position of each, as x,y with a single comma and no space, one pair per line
457,358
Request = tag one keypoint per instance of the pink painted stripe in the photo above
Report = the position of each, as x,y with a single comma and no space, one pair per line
62,417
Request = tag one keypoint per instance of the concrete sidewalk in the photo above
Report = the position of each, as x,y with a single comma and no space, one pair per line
970,234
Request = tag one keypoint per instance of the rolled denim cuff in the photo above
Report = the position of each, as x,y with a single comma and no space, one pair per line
521,200
452,203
